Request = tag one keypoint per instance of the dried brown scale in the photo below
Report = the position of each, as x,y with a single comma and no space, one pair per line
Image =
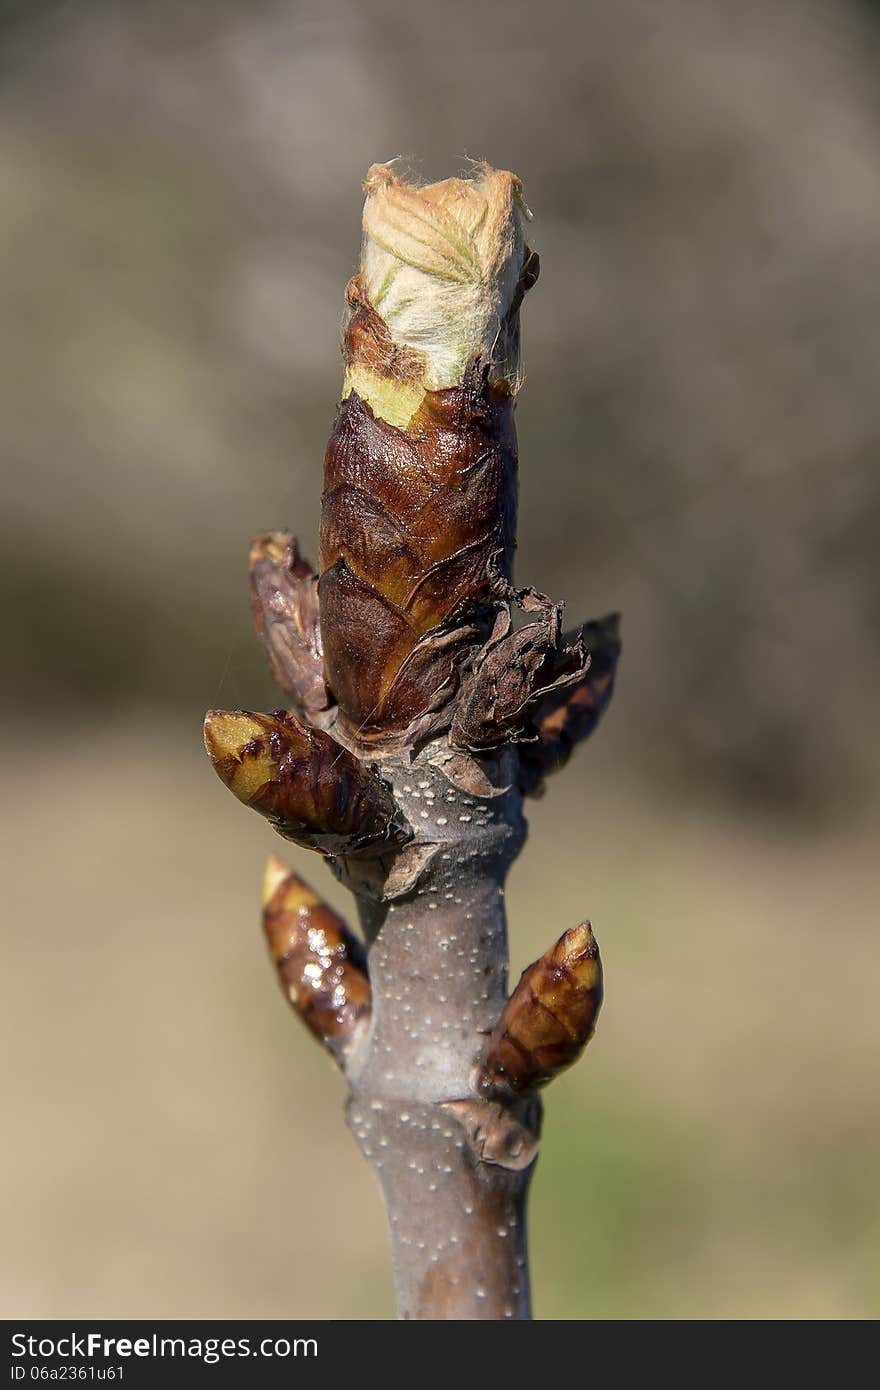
284,602
548,1019
320,964
503,694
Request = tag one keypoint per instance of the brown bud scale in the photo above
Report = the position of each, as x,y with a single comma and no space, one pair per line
410,522
413,520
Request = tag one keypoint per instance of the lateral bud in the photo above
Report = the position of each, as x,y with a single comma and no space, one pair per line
568,713
321,964
284,602
309,788
548,1019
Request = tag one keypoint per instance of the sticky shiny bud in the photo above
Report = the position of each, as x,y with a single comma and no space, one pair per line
548,1020
320,963
310,788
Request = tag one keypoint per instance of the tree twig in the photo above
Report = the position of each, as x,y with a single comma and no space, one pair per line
420,717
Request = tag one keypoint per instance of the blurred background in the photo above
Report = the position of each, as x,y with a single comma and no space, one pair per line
179,213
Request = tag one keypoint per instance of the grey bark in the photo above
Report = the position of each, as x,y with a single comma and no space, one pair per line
454,1169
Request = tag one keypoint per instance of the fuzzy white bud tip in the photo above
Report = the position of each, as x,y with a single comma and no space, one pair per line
441,266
